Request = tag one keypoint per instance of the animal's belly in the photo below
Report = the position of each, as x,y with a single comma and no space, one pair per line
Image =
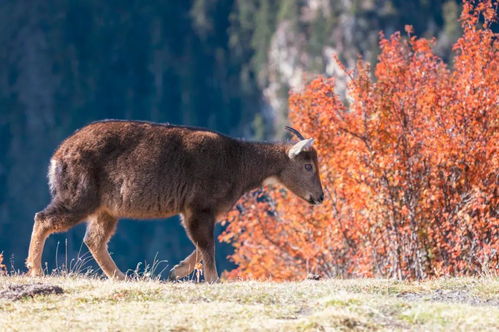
141,204
139,214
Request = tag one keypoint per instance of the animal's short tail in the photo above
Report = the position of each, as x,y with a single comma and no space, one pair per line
53,174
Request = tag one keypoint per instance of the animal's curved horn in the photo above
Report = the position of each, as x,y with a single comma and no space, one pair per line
303,145
294,131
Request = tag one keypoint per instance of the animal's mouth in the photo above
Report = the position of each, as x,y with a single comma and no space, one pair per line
315,201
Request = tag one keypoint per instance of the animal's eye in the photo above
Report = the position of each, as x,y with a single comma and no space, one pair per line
308,167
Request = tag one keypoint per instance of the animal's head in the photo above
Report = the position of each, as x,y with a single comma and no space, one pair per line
301,174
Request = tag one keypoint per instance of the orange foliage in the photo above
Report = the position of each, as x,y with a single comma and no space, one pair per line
411,169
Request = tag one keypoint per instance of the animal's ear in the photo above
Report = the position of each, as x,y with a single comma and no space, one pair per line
302,145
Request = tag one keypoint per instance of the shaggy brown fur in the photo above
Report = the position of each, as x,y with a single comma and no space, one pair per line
130,169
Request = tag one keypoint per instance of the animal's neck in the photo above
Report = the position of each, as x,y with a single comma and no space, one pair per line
262,161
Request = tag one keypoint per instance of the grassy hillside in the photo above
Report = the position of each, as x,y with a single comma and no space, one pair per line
445,304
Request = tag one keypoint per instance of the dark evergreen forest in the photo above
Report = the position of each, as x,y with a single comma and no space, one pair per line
222,64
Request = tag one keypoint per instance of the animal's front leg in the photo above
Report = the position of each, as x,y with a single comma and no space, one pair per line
200,227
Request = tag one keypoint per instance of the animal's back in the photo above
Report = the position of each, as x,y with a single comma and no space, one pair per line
140,169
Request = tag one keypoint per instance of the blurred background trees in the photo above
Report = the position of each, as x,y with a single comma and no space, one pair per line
223,64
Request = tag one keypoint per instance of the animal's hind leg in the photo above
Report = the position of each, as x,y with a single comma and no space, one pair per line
36,245
99,230
185,267
55,218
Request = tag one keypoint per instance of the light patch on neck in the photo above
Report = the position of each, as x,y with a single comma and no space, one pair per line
270,181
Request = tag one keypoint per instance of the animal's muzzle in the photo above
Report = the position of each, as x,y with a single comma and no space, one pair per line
316,201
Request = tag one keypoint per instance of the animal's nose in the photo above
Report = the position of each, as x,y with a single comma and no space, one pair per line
321,198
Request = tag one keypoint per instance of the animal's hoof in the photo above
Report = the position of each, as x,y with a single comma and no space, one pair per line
119,277
35,273
215,281
171,276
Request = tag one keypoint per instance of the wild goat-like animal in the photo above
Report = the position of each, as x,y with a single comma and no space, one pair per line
129,169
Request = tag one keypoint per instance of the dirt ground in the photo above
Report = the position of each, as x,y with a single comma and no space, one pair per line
19,291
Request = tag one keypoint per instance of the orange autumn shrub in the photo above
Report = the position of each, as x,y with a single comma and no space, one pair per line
410,168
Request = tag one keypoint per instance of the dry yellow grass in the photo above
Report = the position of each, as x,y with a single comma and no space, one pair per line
364,304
